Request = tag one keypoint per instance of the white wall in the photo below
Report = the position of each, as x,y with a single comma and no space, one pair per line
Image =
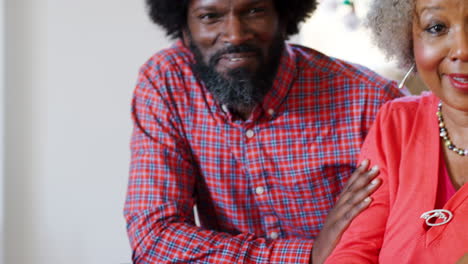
71,68
2,89
328,31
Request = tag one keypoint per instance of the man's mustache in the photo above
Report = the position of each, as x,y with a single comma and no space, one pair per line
235,49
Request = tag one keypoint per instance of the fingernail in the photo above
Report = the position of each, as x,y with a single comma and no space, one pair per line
368,200
375,168
374,181
364,163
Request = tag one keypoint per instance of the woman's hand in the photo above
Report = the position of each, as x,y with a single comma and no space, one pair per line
353,200
463,260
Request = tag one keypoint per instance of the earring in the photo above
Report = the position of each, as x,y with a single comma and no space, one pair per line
402,83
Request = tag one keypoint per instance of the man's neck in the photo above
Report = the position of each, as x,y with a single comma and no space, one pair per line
242,112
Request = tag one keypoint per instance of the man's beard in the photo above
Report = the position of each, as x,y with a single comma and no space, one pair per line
240,89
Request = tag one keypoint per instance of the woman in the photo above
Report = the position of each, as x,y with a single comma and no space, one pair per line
420,143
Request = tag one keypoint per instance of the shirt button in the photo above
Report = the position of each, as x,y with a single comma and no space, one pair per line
271,111
249,133
274,235
259,190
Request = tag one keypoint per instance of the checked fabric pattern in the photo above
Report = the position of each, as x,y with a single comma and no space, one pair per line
263,187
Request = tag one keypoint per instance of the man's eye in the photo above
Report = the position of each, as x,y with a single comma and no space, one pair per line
208,16
436,29
256,10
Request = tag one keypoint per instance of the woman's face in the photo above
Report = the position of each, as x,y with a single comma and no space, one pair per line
440,38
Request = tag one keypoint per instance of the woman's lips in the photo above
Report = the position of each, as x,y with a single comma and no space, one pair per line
459,81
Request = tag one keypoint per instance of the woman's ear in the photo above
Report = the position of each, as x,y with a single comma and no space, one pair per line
186,37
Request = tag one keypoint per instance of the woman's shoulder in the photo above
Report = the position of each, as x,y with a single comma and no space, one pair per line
411,103
408,112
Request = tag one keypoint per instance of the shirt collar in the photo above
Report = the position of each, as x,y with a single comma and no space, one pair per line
284,79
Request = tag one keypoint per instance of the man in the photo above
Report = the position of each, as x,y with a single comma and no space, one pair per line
260,135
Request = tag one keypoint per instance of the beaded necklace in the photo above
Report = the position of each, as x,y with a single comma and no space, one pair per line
444,134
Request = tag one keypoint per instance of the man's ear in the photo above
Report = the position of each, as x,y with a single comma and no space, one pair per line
283,31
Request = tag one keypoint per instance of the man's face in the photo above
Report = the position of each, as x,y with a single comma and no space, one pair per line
235,41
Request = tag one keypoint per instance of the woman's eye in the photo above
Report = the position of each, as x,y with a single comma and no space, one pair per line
436,29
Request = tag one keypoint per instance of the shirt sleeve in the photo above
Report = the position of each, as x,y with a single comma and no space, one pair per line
363,239
161,195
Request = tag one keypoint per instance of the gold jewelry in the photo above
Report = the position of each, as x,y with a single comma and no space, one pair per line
444,134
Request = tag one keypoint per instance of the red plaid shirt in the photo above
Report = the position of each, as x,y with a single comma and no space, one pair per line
264,186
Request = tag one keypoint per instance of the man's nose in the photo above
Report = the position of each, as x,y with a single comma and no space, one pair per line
236,31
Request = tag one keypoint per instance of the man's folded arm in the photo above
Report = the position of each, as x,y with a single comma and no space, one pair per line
161,196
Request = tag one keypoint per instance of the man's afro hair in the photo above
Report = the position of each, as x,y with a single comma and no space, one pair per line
172,14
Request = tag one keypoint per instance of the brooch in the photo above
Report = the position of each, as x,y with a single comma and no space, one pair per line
443,214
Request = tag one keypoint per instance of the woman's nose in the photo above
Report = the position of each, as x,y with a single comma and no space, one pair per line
459,49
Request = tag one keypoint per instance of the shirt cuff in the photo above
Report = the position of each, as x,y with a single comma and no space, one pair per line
291,251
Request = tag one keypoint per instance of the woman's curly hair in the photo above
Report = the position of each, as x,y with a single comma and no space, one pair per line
172,14
390,22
